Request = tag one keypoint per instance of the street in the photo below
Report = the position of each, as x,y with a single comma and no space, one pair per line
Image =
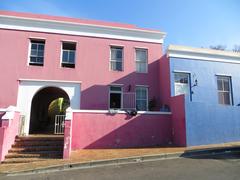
220,167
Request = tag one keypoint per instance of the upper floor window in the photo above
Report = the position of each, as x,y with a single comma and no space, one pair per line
224,90
141,98
37,52
181,83
116,61
68,54
141,60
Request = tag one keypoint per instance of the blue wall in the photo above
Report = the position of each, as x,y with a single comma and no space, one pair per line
208,122
211,124
206,72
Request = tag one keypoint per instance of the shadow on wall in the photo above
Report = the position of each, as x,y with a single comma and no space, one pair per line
102,131
96,96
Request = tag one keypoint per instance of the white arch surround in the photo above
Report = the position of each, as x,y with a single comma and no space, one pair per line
28,88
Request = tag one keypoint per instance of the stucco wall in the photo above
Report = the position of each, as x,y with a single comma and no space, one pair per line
103,130
205,72
211,124
92,66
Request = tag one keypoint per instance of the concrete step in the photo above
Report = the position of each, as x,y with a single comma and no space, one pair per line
22,160
39,138
36,148
38,143
39,154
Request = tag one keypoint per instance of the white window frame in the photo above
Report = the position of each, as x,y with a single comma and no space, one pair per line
189,82
41,41
63,62
138,61
223,91
147,89
115,61
116,92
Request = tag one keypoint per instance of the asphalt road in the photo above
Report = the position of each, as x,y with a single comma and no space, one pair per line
204,168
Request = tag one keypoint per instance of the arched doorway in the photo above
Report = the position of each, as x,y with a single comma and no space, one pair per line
47,103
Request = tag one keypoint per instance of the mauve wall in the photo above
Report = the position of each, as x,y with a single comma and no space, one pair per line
164,80
92,130
92,66
178,120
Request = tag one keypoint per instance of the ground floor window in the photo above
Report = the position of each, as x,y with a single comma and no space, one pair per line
141,98
115,96
181,83
224,90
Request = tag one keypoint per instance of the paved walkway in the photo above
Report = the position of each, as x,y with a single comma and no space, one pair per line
104,154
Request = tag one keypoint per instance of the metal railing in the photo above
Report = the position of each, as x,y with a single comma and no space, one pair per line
59,124
129,100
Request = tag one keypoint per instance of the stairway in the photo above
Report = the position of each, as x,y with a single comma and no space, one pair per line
35,148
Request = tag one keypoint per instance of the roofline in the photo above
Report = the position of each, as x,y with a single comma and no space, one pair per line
16,22
204,54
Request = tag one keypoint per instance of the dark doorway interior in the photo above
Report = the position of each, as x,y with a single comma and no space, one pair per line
47,103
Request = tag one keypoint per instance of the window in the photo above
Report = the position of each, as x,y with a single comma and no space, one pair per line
141,60
115,97
116,61
181,83
224,90
141,98
37,52
68,54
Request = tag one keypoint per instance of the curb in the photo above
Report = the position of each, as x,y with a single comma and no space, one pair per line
129,160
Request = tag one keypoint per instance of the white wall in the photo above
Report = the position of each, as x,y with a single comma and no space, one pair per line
28,88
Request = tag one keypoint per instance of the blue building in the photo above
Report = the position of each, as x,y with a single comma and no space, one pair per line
210,80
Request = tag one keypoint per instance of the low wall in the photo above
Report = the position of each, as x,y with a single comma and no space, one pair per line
8,131
211,124
178,120
104,130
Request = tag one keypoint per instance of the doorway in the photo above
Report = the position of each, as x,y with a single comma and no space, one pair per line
46,104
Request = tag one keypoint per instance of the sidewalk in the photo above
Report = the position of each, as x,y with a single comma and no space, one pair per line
98,155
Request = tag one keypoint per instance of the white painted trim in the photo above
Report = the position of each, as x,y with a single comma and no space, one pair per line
135,57
3,109
118,112
37,38
109,92
203,54
45,80
144,86
81,29
179,71
226,75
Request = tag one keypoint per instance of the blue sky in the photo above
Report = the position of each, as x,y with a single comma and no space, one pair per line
198,23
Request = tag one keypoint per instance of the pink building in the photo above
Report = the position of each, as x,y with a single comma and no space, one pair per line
90,66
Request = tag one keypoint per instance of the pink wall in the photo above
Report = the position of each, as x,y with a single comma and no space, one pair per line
164,80
91,130
92,66
8,131
178,120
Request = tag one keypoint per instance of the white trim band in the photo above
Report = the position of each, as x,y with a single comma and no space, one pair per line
203,54
71,28
56,81
119,112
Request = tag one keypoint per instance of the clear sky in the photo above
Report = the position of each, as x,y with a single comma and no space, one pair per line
198,23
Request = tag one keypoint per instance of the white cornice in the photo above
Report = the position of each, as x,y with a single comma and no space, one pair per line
203,54
45,80
72,28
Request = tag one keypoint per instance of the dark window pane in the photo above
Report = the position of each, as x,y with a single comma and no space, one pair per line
219,84
226,98
115,101
34,46
40,53
40,59
33,52
226,85
220,98
71,56
65,56
41,47
115,88
33,59
69,46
